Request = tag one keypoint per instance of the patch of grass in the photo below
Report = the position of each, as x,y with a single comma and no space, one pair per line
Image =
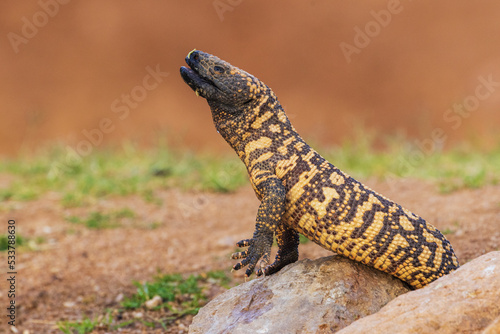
153,225
85,325
217,277
99,220
120,172
72,200
180,295
130,170
453,169
23,243
447,231
4,241
81,327
6,194
453,229
169,287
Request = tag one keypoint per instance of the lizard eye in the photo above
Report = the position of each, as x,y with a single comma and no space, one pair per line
219,69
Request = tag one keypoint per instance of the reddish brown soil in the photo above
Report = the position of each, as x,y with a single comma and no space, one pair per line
79,271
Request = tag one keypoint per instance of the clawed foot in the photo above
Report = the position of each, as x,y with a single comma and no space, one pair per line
251,258
258,249
281,261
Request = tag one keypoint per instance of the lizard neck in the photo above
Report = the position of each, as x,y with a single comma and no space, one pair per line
257,132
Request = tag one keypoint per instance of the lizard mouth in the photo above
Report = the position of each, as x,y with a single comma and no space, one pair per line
201,85
192,78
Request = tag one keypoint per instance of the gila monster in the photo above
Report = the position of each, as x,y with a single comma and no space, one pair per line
301,192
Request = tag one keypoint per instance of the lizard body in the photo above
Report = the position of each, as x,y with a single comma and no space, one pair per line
301,192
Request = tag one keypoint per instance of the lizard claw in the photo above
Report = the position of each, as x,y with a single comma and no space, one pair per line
239,255
256,251
244,243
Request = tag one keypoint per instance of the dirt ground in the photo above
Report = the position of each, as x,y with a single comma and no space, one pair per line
80,272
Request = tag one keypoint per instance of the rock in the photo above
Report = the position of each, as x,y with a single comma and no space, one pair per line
137,315
153,302
309,296
119,298
69,304
493,328
465,301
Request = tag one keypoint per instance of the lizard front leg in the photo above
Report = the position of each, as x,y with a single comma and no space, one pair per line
271,209
288,250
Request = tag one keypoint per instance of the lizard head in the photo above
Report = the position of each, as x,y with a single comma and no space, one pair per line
236,98
216,80
226,88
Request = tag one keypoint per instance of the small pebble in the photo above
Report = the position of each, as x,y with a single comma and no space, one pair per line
69,304
153,302
119,298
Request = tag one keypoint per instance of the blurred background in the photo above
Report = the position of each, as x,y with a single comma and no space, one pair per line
393,67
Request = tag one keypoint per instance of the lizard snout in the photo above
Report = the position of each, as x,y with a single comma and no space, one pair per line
193,58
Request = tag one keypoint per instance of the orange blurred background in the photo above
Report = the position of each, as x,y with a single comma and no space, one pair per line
336,66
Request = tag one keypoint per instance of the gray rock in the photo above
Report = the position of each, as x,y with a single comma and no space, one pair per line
309,296
465,301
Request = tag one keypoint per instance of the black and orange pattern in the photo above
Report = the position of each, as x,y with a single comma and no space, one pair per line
301,192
